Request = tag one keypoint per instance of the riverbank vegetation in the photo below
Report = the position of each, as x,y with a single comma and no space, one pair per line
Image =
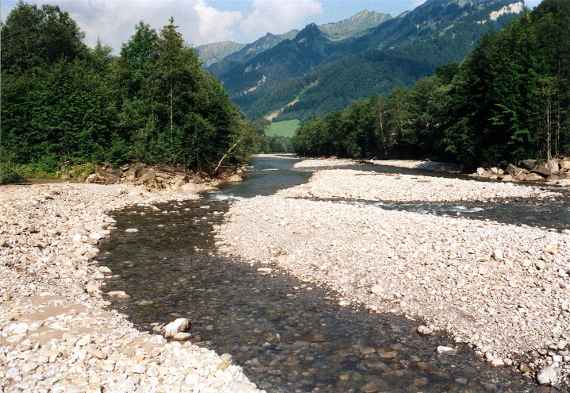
509,100
65,104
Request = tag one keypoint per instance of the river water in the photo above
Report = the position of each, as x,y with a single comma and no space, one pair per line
289,336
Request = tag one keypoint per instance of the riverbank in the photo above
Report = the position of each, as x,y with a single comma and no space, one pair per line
57,333
502,288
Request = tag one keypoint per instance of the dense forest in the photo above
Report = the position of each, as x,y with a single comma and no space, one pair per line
509,100
66,104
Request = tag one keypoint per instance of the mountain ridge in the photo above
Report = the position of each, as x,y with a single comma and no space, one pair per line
321,74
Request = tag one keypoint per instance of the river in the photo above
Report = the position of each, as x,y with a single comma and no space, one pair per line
288,335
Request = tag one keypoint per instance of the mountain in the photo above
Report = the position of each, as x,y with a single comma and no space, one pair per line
351,27
313,73
216,52
249,51
355,25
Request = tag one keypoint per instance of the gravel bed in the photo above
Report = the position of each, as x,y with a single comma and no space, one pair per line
324,163
504,289
56,331
370,185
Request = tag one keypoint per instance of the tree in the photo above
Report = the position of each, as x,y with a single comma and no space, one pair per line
35,36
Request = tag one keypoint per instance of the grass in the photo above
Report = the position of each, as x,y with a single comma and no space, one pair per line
285,128
11,173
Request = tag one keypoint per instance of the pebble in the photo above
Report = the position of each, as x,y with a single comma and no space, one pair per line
445,350
424,330
120,295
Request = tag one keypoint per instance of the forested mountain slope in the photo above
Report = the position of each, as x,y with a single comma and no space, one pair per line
508,101
320,74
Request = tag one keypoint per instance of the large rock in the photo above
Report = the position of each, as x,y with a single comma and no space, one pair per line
514,170
180,325
549,376
542,169
482,172
531,177
133,172
565,164
104,175
528,164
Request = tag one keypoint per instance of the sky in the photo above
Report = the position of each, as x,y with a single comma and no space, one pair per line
205,21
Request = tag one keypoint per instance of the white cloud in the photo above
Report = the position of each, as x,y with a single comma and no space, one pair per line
278,16
113,21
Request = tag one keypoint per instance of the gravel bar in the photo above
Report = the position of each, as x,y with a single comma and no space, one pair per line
502,288
57,333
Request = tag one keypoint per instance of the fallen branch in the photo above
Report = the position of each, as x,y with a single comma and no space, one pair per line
226,156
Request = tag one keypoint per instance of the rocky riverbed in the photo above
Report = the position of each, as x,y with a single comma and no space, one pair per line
56,331
502,288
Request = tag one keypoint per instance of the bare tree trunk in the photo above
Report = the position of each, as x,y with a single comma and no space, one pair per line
381,125
548,128
171,114
226,154
558,128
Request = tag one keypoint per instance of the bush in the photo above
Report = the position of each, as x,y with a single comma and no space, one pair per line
9,174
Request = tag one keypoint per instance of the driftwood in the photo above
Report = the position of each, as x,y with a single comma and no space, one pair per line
226,154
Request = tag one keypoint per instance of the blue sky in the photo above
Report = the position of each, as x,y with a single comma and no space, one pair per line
204,21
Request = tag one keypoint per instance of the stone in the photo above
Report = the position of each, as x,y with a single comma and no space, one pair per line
105,270
551,249
565,164
96,236
532,177
370,387
528,164
549,376
179,325
15,329
264,270
514,170
443,350
482,172
118,295
498,254
543,170
131,230
183,336
424,330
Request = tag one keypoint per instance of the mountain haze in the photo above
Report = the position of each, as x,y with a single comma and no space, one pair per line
213,53
355,25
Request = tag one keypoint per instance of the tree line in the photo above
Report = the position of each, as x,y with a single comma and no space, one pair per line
65,103
509,100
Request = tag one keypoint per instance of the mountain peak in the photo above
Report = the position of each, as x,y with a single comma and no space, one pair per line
354,26
310,31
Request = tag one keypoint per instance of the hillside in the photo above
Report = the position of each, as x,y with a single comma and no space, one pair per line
321,74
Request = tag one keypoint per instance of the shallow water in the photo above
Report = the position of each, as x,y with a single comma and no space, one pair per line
548,213
289,336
